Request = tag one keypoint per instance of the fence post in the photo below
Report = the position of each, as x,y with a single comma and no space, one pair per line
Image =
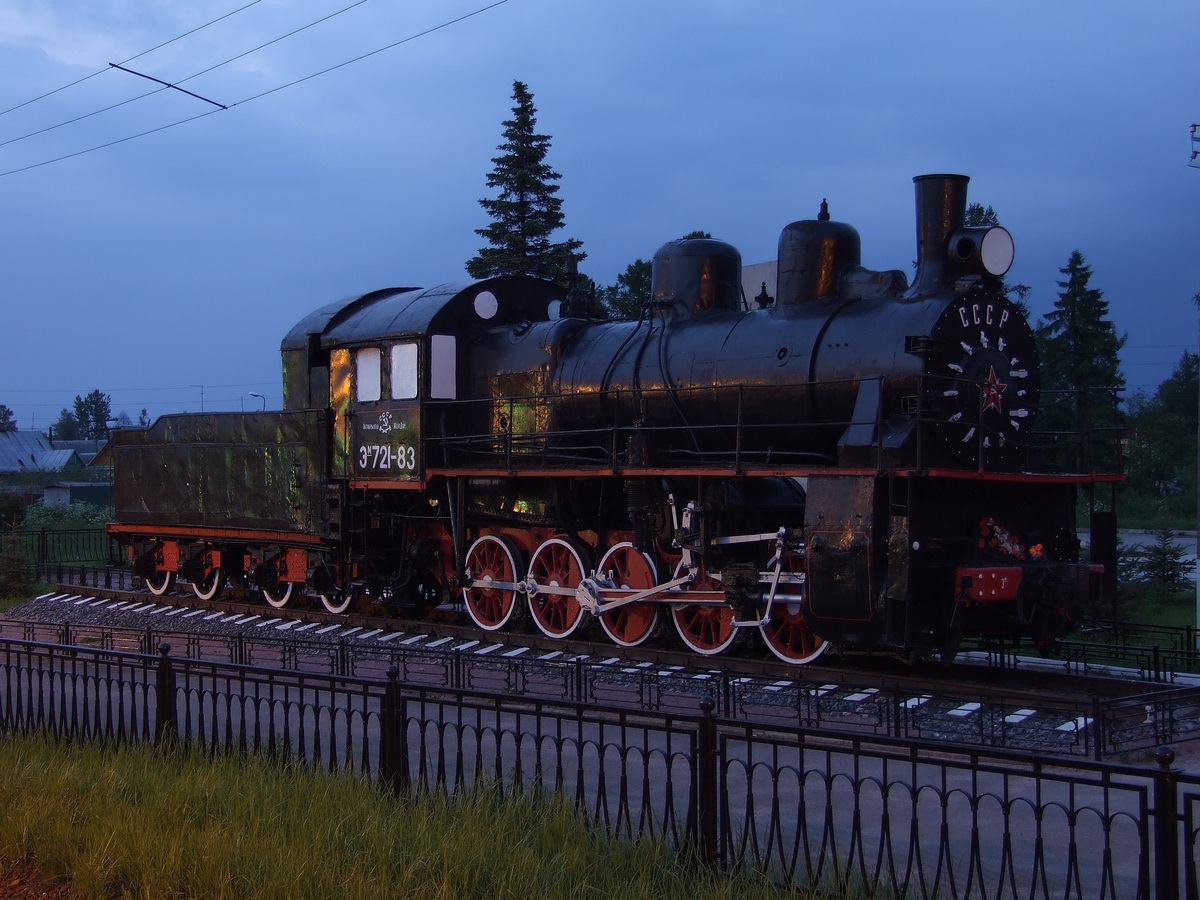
393,755
706,782
1166,828
166,728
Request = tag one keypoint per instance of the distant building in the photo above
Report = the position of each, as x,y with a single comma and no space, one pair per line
86,448
31,451
756,278
98,493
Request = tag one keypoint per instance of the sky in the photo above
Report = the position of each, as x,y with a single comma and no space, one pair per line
158,247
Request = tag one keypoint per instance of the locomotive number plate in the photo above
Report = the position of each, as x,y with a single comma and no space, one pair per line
384,457
386,443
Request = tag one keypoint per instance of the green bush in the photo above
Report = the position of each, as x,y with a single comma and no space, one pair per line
15,579
65,516
1159,571
12,511
14,574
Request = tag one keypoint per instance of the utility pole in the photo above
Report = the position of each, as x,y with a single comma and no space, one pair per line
1196,303
1194,162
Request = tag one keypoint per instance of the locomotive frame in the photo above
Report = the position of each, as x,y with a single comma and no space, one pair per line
853,464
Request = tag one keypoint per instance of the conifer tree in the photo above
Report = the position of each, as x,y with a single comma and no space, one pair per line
527,210
92,412
1160,449
628,297
1080,355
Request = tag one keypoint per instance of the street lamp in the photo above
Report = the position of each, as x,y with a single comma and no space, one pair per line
262,398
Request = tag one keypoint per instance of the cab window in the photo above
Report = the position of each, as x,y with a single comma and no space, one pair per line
368,375
443,383
404,371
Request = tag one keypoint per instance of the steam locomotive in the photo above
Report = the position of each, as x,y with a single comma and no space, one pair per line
851,462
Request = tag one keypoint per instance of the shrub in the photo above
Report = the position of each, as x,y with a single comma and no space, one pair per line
65,516
1161,569
14,574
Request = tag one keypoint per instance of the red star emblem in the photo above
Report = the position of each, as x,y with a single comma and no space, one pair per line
993,388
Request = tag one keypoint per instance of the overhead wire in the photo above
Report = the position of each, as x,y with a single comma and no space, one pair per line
82,117
158,90
261,94
178,37
368,55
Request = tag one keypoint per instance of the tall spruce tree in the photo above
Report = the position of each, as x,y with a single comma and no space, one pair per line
1081,371
527,211
92,412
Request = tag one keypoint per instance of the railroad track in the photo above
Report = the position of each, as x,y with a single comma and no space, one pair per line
1022,706
981,669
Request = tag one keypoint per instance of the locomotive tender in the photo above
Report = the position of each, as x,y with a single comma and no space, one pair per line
852,463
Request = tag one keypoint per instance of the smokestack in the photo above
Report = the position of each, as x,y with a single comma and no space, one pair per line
941,210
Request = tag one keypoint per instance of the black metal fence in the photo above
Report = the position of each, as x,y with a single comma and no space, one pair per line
876,816
1094,727
42,548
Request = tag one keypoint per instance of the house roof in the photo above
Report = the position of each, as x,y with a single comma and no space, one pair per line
24,451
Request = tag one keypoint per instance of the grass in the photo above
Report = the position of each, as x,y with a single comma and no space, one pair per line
1169,615
11,600
136,823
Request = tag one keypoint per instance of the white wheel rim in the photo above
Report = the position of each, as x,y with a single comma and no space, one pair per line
207,592
281,601
602,569
475,615
685,634
791,604
794,660
548,629
159,589
335,603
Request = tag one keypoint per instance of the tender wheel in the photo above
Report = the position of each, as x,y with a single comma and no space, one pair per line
160,583
631,624
337,603
557,567
278,594
708,630
490,595
208,586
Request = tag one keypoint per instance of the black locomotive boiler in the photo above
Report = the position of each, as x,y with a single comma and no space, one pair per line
851,462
